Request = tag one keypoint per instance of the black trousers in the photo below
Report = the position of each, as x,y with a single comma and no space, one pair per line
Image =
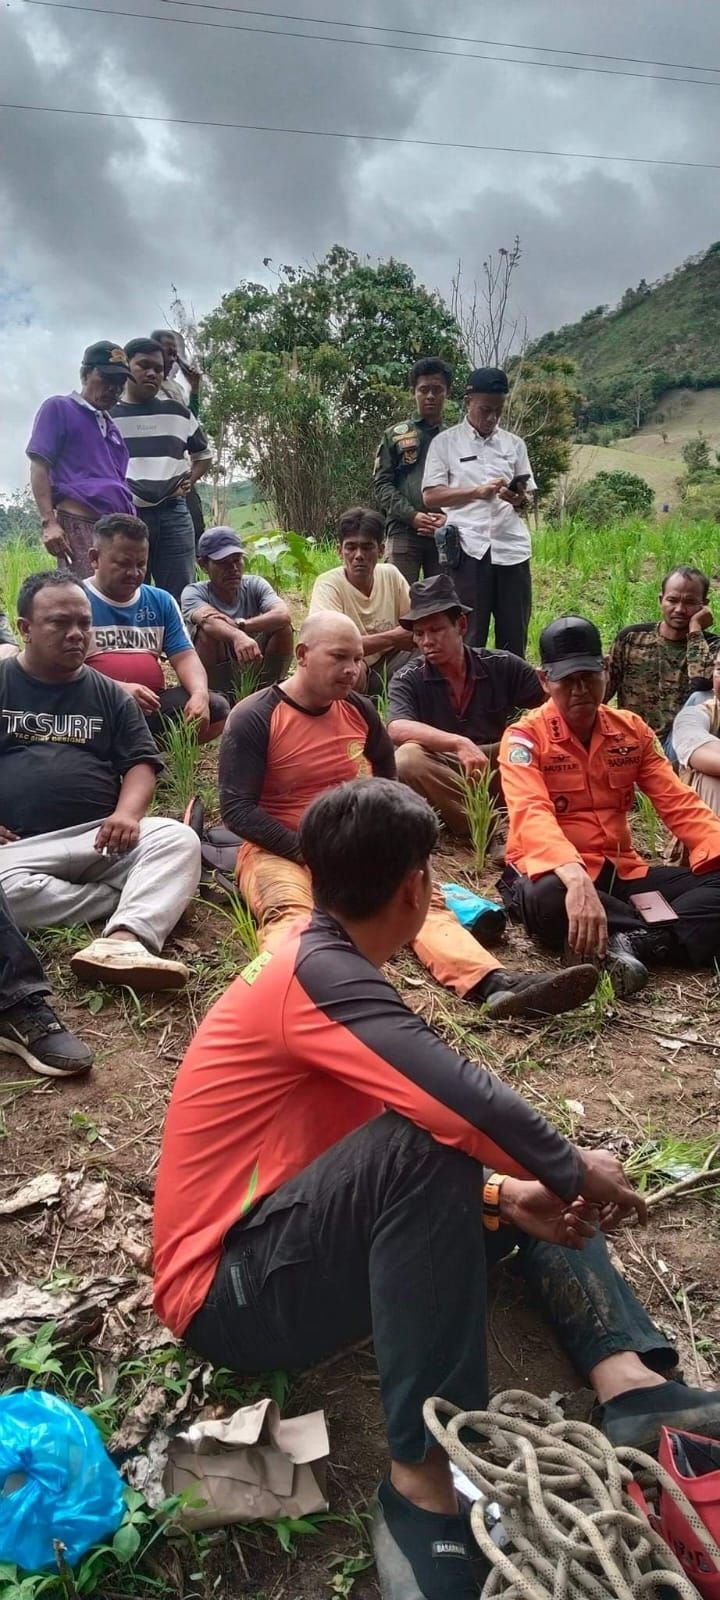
414,555
172,704
383,1234
504,593
695,896
20,971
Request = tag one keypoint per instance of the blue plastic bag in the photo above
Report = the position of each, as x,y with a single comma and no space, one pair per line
485,919
56,1481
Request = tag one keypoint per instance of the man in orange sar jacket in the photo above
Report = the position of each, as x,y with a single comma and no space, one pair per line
569,774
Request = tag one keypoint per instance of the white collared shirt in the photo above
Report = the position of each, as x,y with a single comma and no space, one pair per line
460,457
100,416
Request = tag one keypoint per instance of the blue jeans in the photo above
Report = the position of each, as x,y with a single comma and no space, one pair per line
20,971
383,1233
172,545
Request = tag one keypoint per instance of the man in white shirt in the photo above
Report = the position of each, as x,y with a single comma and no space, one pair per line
373,593
480,475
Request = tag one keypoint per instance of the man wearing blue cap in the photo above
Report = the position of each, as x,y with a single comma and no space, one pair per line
480,475
236,620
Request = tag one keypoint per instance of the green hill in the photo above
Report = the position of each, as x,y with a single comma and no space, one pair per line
662,336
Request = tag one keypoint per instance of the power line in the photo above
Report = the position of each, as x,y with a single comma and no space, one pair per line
368,44
366,138
448,38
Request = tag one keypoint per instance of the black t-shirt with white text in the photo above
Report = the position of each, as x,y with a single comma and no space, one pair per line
65,748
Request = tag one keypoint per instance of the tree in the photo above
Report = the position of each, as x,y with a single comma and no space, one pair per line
696,455
491,332
302,377
542,407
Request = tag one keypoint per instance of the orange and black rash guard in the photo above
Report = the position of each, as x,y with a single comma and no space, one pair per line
276,758
306,1045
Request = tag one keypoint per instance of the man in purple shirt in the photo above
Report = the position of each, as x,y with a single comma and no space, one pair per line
79,458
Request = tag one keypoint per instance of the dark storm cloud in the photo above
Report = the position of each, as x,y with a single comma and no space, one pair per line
100,217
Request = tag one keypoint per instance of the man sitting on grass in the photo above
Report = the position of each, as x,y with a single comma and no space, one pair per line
283,747
373,593
450,705
236,620
569,774
696,737
135,624
77,775
331,1168
654,666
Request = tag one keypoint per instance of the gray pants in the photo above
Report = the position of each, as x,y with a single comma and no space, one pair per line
58,878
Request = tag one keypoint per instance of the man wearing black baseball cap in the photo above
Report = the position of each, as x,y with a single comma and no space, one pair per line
569,774
79,458
479,474
450,705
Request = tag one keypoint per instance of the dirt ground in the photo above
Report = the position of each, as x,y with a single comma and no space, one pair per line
617,1073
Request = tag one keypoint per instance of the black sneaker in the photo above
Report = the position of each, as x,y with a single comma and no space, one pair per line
533,994
422,1555
31,1030
635,1418
625,962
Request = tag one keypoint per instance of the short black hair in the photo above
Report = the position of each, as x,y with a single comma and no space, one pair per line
143,347
359,519
53,578
163,333
693,574
107,528
361,839
431,367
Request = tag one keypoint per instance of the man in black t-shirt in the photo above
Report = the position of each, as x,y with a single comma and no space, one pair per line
450,706
77,774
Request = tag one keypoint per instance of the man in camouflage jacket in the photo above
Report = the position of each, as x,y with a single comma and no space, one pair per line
398,473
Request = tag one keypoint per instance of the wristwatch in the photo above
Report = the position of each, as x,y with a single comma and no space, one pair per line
491,1201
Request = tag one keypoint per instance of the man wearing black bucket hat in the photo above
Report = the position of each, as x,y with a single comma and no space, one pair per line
450,705
480,475
569,774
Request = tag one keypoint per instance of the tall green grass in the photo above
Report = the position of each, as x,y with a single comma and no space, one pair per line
18,561
611,574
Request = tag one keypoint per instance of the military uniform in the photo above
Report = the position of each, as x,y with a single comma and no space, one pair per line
397,486
654,676
568,803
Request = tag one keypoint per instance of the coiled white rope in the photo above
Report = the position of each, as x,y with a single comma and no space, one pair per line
574,1532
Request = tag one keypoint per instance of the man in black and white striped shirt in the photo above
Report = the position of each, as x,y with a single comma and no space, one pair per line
168,453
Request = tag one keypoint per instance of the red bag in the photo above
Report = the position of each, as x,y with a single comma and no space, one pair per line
693,1463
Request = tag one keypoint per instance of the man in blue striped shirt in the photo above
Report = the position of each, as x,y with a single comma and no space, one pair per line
168,454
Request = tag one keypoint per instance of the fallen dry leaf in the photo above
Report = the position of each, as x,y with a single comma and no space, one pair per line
44,1190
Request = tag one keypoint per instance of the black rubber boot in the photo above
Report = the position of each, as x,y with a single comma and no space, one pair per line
535,994
422,1555
635,1418
625,962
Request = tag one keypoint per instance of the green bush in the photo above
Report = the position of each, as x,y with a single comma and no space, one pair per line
610,496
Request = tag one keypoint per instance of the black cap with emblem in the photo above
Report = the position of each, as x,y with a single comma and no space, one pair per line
570,644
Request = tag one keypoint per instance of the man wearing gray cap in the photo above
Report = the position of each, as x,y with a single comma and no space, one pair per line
236,620
480,475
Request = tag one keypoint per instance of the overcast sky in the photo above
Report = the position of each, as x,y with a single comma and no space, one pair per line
99,217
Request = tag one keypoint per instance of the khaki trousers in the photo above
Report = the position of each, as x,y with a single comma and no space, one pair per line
435,777
278,893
